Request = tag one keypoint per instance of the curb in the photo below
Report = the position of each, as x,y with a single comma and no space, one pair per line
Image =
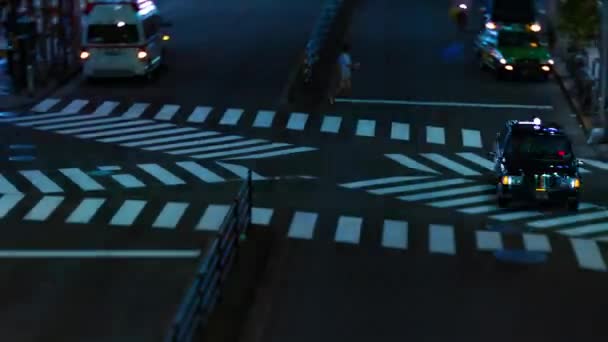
572,102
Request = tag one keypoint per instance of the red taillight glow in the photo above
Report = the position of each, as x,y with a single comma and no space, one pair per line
561,153
141,54
84,55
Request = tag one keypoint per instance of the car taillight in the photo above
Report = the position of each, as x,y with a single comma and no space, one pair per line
84,54
142,54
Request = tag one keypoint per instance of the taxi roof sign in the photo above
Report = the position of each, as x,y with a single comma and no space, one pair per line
142,7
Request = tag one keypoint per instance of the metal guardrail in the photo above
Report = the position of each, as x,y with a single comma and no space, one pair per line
200,300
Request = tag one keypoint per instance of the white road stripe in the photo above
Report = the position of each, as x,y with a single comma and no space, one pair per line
484,209
445,104
198,142
297,121
213,217
84,181
476,159
263,119
218,147
123,134
471,138
200,172
240,151
441,239
586,229
62,118
583,170
231,116
241,171
400,131
128,181
199,114
557,221
109,168
595,163
41,181
349,229
80,123
331,124
105,127
106,108
128,212
136,110
382,181
100,254
75,106
302,225
435,135
261,216
37,117
162,174
167,112
6,187
86,210
488,241
170,215
450,164
167,139
395,234
588,254
366,128
420,186
44,208
536,243
445,193
274,153
8,202
45,105
516,215
462,201
410,163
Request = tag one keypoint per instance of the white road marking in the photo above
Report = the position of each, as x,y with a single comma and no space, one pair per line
445,193
37,117
240,151
471,138
241,171
382,181
168,139
516,215
85,210
461,201
170,215
44,208
200,172
435,135
100,254
588,254
450,164
484,209
445,104
109,168
441,239
536,243
8,202
366,128
45,105
62,118
213,217
274,153
583,170
106,108
349,229
128,181
218,147
128,212
167,112
199,114
264,119
331,124
136,110
488,241
123,134
198,142
395,234
261,216
586,229
400,131
104,127
75,106
231,116
595,163
410,163
6,187
420,186
80,123
84,181
162,174
302,225
476,159
557,221
41,181
297,121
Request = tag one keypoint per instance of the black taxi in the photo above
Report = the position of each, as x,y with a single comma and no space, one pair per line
533,160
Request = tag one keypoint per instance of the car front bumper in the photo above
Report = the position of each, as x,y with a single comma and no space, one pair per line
530,194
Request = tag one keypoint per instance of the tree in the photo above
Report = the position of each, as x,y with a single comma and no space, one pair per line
580,20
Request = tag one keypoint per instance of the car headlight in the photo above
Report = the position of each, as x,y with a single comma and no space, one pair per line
512,180
575,183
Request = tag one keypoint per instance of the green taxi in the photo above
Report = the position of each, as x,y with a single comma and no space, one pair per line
513,50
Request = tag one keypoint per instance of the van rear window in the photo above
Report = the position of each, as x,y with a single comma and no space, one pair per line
112,34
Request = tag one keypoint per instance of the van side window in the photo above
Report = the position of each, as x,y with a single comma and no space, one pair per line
151,26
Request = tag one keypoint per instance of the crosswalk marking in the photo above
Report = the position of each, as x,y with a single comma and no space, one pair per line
200,172
84,181
292,150
382,181
166,112
38,117
136,110
366,128
60,118
162,174
595,163
240,151
241,171
536,243
445,193
557,221
261,216
41,181
420,186
169,139
488,241
86,210
199,114
264,119
586,229
124,134
231,116
435,135
213,217
44,208
109,168
218,147
331,124
483,209
75,106
128,181
297,121
400,131
441,239
106,108
395,234
471,138
476,159
105,127
170,215
588,254
128,213
7,187
198,142
303,225
461,201
45,105
516,215
349,229
410,163
8,202
450,164
79,123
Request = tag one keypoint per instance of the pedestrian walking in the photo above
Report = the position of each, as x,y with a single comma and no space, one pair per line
345,68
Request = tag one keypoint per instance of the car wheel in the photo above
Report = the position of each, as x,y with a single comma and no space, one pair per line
573,205
503,202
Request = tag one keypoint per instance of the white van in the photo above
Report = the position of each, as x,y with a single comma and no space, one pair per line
122,38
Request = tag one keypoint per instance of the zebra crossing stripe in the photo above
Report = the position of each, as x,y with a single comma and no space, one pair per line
400,131
37,117
275,153
452,165
44,208
199,114
213,217
45,105
445,193
170,215
588,254
474,158
241,171
198,142
41,181
7,187
261,216
484,209
382,181
302,225
84,181
395,234
240,151
420,186
297,121
461,201
557,221
81,123
536,243
75,106
109,168
231,116
366,128
441,239
218,147
586,229
166,112
128,213
105,127
167,139
264,119
349,229
162,174
8,202
516,215
62,118
128,181
136,110
488,241
471,138
85,210
106,108
435,135
200,172
331,124
596,163
124,134
409,163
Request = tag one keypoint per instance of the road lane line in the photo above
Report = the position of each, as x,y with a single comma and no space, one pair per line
231,116
100,254
36,117
261,216
488,241
197,142
445,193
557,221
410,163
395,234
213,217
85,210
128,181
128,212
45,105
292,150
105,127
471,138
450,164
166,112
331,124
8,202
84,181
6,187
263,119
62,118
382,181
44,208
516,215
218,147
366,128
420,186
41,181
106,108
348,230
200,172
241,171
400,131
240,151
595,163
199,114
435,135
303,225
476,159
462,201
162,174
180,137
124,134
445,104
136,110
75,106
484,209
586,229
441,239
170,215
536,243
588,254
297,121
80,123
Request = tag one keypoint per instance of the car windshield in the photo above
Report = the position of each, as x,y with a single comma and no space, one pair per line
112,34
540,146
527,39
